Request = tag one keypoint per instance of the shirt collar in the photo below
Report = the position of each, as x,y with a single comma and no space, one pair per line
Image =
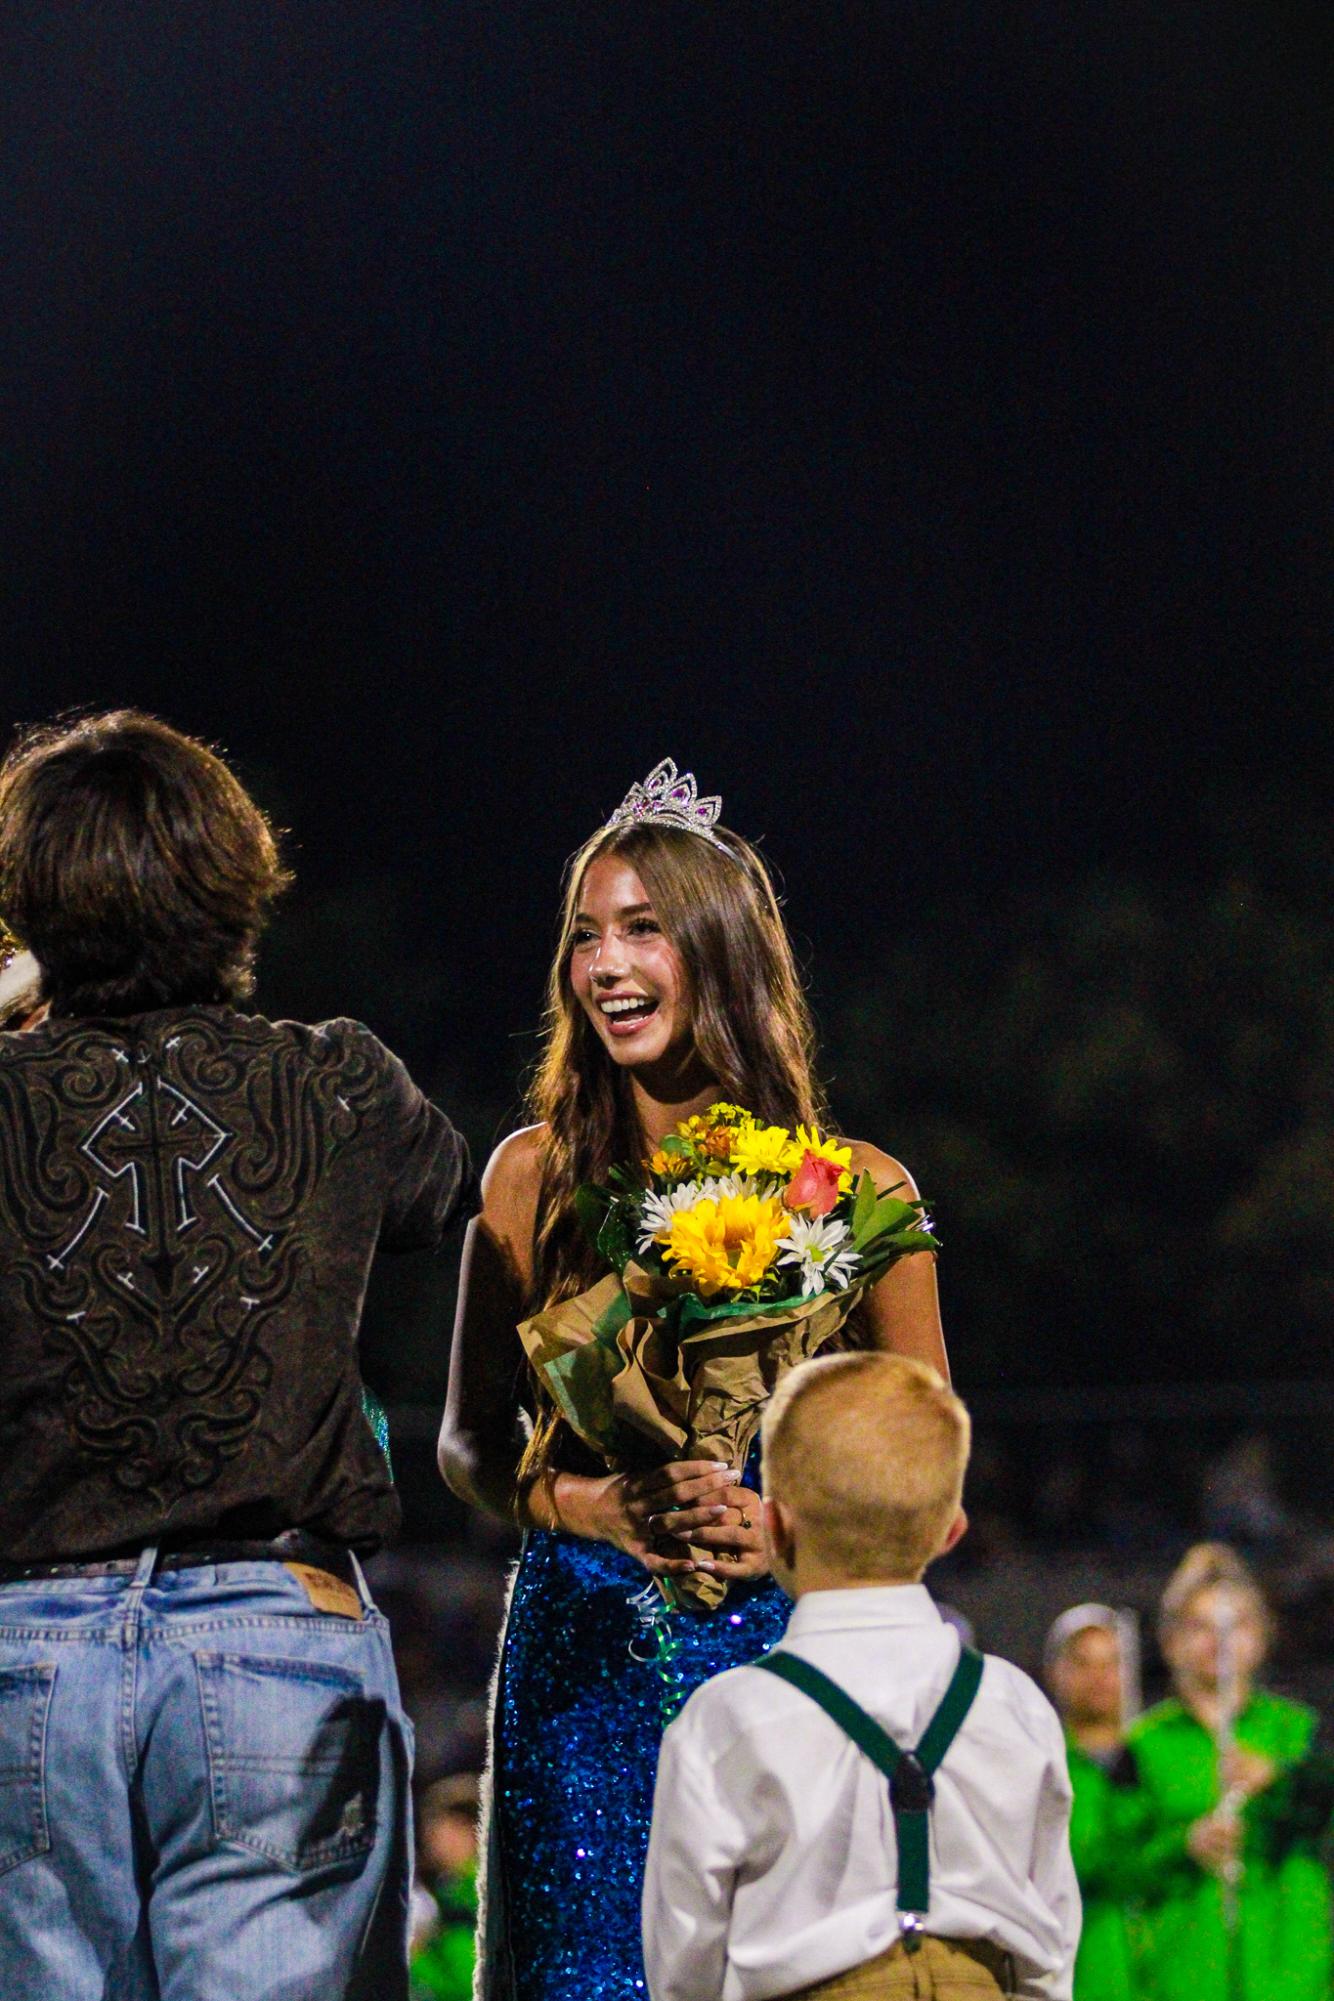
878,1605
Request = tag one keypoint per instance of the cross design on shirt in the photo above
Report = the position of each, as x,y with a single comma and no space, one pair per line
157,1144
154,1188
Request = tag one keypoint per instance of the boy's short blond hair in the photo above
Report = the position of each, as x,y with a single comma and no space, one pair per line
869,1451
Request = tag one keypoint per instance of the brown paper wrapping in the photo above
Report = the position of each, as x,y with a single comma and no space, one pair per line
639,1396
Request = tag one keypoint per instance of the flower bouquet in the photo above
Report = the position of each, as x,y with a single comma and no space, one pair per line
740,1252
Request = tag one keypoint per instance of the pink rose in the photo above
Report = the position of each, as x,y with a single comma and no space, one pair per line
814,1186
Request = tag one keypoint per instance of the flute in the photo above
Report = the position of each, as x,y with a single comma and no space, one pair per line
1225,1736
1129,1665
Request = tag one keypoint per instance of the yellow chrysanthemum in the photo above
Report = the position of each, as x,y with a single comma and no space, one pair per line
758,1149
728,1244
809,1140
671,1166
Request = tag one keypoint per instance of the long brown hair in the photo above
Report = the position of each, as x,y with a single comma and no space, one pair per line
752,1027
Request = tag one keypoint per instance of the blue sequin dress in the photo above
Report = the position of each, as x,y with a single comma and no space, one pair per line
577,1723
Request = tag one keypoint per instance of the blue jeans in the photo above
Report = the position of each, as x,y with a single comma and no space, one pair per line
203,1792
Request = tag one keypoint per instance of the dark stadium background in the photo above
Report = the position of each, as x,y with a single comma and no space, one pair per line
913,418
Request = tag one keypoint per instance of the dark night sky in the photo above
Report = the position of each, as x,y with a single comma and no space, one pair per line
908,415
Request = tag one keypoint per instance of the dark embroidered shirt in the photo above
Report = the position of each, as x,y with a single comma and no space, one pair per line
189,1204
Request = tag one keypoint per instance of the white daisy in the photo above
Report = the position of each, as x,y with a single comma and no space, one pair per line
658,1210
655,1218
822,1247
743,1185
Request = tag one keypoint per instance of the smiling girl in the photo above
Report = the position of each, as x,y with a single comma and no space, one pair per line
673,986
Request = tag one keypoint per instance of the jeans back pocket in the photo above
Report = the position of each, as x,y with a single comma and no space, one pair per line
294,1758
25,1701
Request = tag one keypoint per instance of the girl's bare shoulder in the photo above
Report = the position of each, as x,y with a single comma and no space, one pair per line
517,1160
512,1183
883,1169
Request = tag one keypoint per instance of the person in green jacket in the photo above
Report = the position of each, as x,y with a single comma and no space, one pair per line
443,1950
1241,1904
1086,1672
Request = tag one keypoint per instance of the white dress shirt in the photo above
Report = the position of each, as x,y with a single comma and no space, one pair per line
772,1861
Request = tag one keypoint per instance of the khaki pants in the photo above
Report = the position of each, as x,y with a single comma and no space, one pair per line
942,1969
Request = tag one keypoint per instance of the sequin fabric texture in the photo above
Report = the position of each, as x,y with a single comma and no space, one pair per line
577,1728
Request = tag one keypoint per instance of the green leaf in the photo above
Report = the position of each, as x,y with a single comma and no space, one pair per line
891,1214
904,1241
590,1206
911,1232
879,1255
863,1207
615,1244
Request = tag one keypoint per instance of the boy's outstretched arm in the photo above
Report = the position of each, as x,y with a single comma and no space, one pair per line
690,1873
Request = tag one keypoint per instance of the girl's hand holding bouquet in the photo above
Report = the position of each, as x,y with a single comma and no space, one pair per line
741,1250
688,1517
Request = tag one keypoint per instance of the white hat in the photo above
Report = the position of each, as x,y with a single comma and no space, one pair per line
1079,1619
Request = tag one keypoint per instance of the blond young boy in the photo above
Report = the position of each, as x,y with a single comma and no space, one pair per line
779,1864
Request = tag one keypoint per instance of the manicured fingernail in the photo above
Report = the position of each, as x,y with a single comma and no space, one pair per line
732,1477
719,1510
710,1567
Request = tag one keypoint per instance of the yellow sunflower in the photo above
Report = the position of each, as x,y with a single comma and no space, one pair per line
726,1245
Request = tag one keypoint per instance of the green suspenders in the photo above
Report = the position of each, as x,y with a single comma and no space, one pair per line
910,1773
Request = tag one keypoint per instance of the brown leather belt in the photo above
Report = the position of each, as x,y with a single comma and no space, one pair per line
293,1546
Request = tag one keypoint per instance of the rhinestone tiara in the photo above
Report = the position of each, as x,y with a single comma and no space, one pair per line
668,798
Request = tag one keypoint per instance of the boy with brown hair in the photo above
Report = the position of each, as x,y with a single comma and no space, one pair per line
781,1863
203,1751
